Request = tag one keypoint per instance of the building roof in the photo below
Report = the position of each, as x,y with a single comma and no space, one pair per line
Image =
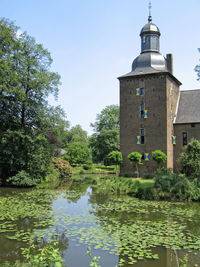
149,61
150,28
189,107
141,72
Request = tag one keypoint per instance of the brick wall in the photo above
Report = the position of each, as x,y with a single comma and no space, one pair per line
158,126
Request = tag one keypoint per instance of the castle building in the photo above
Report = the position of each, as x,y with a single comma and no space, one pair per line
154,113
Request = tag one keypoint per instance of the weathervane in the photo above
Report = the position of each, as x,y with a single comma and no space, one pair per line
150,6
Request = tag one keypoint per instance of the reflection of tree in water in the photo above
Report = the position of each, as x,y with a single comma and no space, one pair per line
26,212
75,192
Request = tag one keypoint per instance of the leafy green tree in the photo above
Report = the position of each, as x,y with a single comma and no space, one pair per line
136,159
115,158
190,159
25,83
55,126
78,153
108,119
106,136
29,152
75,134
159,157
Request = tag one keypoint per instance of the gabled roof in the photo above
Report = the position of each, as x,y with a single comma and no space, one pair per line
189,107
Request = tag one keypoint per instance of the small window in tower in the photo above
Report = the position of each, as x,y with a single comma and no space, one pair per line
184,139
141,91
192,125
142,111
143,154
142,135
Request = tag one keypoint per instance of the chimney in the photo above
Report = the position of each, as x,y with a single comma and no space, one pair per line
170,63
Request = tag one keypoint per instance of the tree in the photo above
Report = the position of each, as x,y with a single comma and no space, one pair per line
159,156
106,136
78,153
75,134
25,83
135,159
21,151
55,126
197,68
190,159
115,158
26,80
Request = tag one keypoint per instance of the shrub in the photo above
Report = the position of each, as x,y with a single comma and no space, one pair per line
164,180
172,186
146,193
135,159
159,156
115,158
78,153
185,189
22,179
51,180
20,151
63,166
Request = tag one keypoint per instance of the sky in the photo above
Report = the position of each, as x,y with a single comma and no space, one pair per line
93,42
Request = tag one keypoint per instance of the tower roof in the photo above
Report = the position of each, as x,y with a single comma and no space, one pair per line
150,28
149,62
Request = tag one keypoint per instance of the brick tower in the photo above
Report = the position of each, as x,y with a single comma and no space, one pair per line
148,101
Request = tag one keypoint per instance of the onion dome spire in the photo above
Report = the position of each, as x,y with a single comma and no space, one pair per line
150,17
150,57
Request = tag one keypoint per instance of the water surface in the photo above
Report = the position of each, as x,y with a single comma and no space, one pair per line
123,231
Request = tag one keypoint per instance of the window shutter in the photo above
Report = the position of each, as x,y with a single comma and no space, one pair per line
146,156
137,91
138,140
146,114
174,140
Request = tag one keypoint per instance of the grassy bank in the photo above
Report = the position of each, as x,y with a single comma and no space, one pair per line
95,169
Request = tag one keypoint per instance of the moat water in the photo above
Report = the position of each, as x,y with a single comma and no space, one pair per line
122,231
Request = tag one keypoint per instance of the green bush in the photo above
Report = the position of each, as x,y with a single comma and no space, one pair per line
51,180
159,156
20,151
146,193
22,179
185,189
114,158
135,159
78,153
190,159
171,186
63,167
164,180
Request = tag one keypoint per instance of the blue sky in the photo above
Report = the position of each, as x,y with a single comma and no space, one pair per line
93,42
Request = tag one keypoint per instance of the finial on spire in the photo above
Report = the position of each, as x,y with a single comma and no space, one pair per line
150,17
